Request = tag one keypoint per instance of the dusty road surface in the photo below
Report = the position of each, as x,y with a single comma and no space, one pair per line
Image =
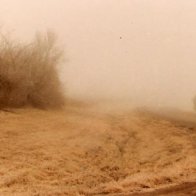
89,150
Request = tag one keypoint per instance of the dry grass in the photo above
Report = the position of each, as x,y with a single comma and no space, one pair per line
88,151
28,72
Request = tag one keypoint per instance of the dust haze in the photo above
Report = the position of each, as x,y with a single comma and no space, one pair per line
141,51
113,116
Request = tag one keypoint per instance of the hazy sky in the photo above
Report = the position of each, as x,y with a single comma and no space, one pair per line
117,48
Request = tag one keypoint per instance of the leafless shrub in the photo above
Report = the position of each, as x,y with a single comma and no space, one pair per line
194,103
28,73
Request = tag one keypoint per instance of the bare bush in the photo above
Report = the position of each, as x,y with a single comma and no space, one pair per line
28,73
194,103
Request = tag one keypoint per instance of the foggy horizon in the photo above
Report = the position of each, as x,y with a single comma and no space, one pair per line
129,50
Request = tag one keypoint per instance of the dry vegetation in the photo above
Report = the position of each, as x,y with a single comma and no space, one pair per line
87,151
194,103
84,150
28,72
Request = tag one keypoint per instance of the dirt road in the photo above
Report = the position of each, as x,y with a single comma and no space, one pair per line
90,151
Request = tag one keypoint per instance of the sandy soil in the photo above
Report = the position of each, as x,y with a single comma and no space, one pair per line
93,151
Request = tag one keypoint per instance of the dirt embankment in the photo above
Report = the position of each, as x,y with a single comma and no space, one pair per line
87,151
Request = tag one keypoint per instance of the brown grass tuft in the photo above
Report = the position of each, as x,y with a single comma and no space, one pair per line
28,73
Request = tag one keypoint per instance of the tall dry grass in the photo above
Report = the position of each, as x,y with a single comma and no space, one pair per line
28,72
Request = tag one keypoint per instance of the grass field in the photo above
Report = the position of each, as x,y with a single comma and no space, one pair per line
96,150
